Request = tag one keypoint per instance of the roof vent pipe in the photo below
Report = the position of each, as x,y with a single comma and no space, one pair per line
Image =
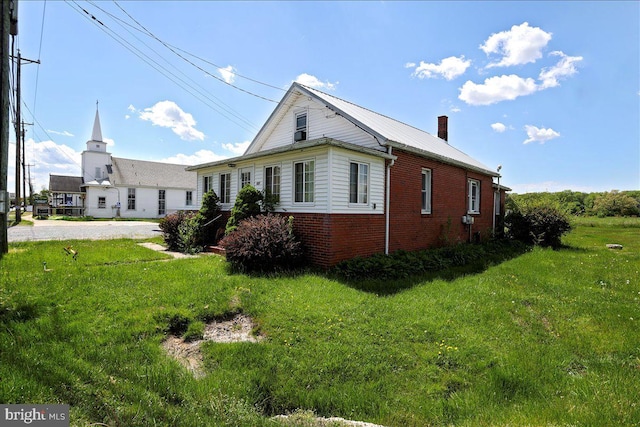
443,132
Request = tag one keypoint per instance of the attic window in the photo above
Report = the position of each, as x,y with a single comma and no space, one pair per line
300,133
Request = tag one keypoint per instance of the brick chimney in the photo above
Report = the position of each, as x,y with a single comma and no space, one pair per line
443,132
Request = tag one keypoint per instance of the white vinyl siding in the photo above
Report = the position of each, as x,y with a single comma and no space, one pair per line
332,180
321,122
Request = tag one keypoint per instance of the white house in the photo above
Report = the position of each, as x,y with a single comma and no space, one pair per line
117,187
358,182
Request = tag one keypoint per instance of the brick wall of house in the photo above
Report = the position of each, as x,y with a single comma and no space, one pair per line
412,230
329,239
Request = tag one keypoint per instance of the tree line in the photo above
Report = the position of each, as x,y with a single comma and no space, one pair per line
605,204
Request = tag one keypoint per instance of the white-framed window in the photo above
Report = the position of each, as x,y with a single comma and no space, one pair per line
244,177
102,202
300,133
304,181
131,199
272,180
426,191
189,198
474,196
358,183
207,184
225,188
162,202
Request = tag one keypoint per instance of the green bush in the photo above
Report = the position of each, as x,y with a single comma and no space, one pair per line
403,264
537,225
264,243
170,226
247,205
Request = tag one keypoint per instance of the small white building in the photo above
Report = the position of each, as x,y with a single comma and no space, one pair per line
116,187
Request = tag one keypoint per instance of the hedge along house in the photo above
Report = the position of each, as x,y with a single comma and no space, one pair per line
358,182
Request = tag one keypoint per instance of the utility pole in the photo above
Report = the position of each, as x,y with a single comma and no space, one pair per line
30,185
8,14
24,172
18,139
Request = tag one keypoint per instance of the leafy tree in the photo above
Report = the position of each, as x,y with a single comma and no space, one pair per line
615,203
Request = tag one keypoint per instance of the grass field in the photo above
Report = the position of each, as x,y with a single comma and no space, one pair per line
548,338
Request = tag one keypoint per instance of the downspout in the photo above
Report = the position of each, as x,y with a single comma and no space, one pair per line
386,203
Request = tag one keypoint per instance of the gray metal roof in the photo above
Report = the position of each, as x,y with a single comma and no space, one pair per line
395,133
65,184
141,173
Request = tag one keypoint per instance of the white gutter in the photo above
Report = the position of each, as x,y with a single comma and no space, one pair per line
386,203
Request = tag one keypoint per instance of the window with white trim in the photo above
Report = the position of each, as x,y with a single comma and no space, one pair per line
358,183
244,177
304,181
102,202
189,198
272,180
207,184
301,126
426,191
225,188
162,202
474,196
131,199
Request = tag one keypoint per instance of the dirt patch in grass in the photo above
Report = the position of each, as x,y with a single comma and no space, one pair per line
237,329
308,419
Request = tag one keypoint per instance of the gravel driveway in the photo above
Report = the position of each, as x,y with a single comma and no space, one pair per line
82,230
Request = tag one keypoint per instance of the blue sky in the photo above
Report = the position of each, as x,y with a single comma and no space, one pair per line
548,90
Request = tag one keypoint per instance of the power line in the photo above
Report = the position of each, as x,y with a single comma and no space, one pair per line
35,94
173,50
195,92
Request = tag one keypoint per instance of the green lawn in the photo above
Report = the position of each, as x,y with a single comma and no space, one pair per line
547,338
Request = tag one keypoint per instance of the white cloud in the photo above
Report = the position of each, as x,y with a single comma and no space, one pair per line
110,142
410,65
498,127
199,157
540,135
552,187
496,89
520,45
228,74
449,68
47,158
313,81
131,108
63,133
564,68
169,114
238,148
127,117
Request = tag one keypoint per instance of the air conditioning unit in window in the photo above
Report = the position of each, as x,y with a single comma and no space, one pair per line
300,136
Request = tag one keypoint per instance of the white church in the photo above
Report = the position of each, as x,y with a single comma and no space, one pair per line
112,187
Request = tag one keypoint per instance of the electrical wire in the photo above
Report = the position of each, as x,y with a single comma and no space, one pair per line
195,92
35,94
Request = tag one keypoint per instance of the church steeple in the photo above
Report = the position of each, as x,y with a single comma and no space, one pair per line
96,135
